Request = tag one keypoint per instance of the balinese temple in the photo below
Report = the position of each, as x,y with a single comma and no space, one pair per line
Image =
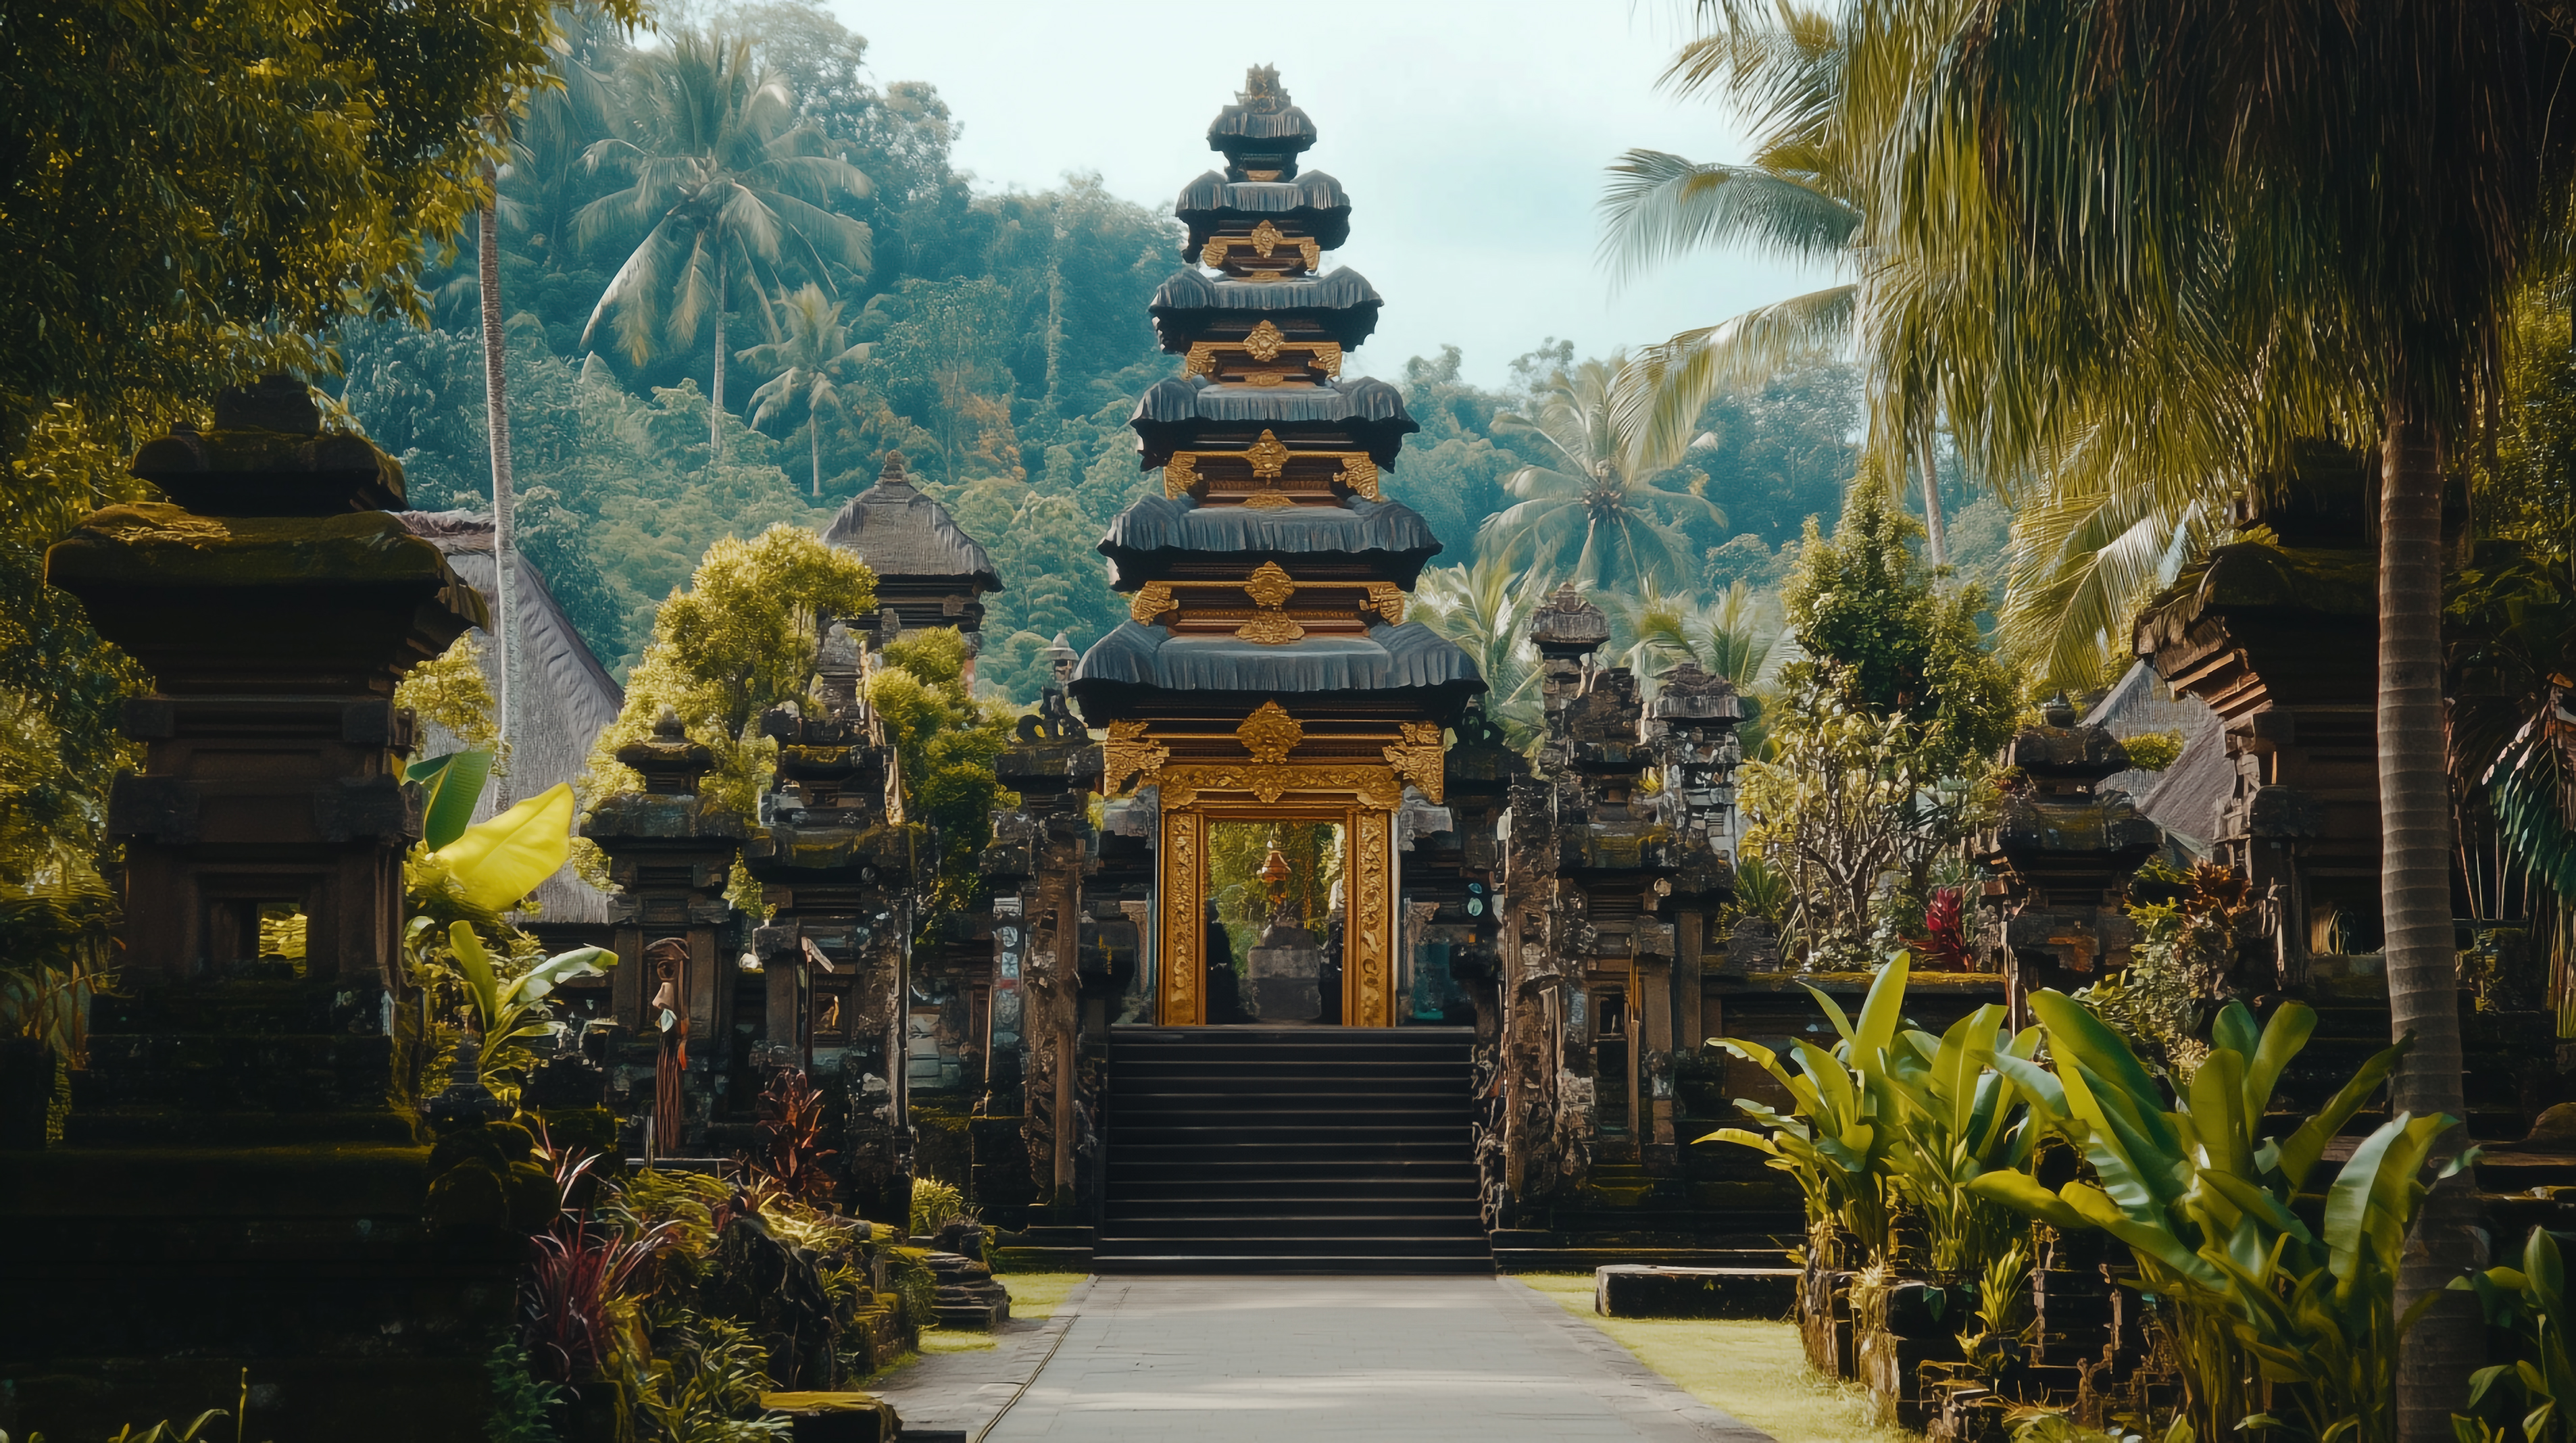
929,572
1269,686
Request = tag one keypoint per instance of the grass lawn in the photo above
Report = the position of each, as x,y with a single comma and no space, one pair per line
1034,1296
1755,1371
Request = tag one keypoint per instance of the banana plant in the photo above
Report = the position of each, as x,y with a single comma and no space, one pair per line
450,786
2225,1224
1957,1119
2526,1400
509,1014
1835,1139
495,863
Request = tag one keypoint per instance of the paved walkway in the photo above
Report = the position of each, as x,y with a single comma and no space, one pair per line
1352,1360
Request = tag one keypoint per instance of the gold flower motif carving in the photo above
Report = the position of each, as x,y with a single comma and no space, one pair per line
1270,733
1180,475
1267,456
1359,476
1264,342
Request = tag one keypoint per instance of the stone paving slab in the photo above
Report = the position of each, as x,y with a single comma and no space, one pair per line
964,1392
1362,1359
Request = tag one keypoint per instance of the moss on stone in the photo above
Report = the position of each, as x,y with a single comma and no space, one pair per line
154,544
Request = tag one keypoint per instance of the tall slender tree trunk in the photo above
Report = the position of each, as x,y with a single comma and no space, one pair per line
1936,529
715,393
2439,1353
814,439
496,409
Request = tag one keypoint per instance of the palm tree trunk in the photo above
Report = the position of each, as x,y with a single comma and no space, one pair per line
814,438
715,393
1936,529
496,408
2439,1353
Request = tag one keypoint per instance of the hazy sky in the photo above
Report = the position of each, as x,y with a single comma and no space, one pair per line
1471,137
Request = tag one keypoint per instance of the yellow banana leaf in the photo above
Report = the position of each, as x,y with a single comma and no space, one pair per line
502,860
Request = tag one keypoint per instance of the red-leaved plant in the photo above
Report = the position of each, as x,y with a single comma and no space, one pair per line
1944,942
792,1153
575,1271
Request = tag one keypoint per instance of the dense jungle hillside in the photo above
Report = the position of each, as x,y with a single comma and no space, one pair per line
997,339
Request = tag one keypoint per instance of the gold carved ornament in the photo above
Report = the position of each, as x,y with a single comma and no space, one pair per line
1324,356
1128,752
1369,914
1375,786
1269,459
1387,600
1182,931
1270,587
1359,475
1265,239
1150,601
1421,759
1261,175
1270,733
1180,475
1267,456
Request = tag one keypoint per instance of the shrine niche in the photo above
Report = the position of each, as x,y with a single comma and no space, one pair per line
1268,675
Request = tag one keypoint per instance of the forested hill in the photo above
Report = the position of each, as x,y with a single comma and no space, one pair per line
998,339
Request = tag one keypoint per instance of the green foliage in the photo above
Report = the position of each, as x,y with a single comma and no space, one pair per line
450,786
57,950
520,1403
2153,751
1596,508
705,1387
2523,1400
449,689
1900,644
510,1012
947,742
933,1204
1844,798
740,640
1835,1139
2264,1285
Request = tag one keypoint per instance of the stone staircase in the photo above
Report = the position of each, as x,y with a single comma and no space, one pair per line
1290,1150
1625,1215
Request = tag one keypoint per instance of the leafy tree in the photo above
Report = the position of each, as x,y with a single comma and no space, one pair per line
730,183
1801,196
948,742
1485,610
810,359
1593,508
740,640
1898,643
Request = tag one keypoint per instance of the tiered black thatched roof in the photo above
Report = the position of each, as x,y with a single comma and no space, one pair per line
1148,538
1341,302
1409,663
1368,410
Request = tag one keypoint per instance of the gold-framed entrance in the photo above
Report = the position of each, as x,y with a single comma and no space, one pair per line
1368,899
1272,785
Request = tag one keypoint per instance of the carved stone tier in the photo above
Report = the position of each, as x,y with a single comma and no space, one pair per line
2281,641
2060,853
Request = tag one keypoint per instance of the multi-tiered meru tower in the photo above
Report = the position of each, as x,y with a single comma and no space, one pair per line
1269,676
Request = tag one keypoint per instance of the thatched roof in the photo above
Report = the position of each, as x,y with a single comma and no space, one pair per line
1341,301
1148,538
1391,661
1169,415
2184,797
1313,203
904,535
562,698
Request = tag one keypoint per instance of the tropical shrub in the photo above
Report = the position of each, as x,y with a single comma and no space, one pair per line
2282,1310
2527,1399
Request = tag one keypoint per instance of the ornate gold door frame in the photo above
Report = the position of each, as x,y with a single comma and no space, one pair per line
1269,786
1368,904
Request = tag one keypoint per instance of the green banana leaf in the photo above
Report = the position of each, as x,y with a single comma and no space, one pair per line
450,786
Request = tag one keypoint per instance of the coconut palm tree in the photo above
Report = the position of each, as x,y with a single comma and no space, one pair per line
810,359
1732,634
1485,609
1798,197
1594,511
732,186
2339,202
